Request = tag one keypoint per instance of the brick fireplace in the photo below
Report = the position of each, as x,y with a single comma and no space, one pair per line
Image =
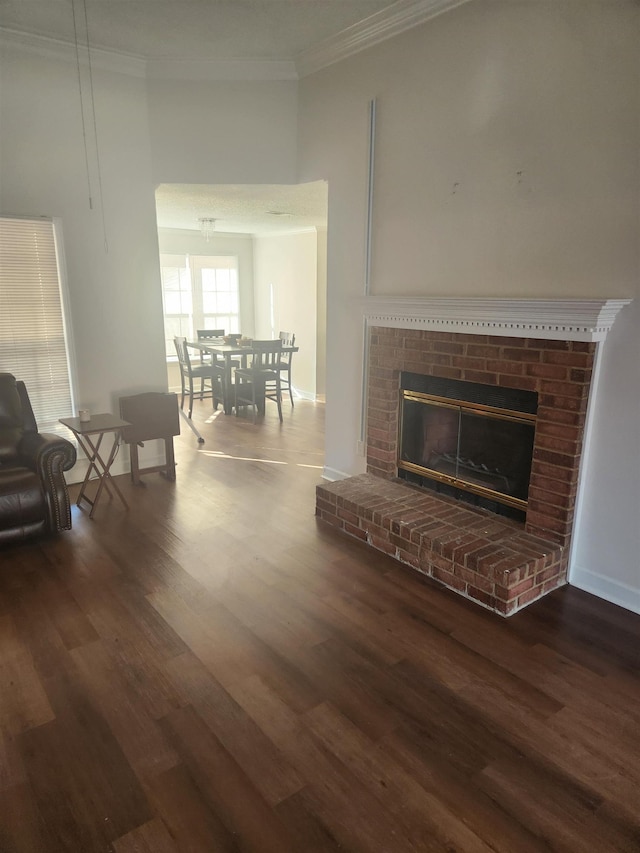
500,563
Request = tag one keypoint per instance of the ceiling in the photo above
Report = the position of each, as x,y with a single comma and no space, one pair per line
191,29
243,208
206,31
283,36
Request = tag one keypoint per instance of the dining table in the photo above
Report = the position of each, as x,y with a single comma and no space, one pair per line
228,351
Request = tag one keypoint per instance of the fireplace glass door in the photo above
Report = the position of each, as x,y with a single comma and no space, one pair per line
479,449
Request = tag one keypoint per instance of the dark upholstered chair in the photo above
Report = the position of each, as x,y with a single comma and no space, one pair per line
33,492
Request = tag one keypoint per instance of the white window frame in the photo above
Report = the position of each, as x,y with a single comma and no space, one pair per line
194,317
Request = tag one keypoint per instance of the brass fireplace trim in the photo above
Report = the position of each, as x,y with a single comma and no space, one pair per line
464,485
452,403
474,408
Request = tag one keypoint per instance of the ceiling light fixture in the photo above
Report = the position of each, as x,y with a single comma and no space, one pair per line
207,227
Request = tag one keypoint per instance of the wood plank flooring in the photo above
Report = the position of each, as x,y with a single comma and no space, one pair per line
215,671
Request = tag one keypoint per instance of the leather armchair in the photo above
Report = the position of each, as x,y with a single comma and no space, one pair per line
33,493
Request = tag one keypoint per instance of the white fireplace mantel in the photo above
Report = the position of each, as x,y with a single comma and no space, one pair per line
549,319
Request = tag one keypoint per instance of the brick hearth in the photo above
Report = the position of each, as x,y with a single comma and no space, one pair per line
480,555
560,372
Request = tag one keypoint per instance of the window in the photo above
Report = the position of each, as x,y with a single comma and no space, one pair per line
33,340
176,299
199,292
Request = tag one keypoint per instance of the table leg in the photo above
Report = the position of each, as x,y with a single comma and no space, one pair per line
102,469
229,395
135,464
261,406
170,472
90,451
107,480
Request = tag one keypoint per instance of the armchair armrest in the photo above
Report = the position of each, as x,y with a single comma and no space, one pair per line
49,456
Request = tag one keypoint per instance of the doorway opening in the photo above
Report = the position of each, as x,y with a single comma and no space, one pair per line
249,259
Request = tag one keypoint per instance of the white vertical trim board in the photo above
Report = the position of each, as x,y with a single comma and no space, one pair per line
364,387
370,184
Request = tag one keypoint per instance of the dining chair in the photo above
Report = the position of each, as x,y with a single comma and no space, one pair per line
209,357
213,335
284,365
260,381
213,373
209,334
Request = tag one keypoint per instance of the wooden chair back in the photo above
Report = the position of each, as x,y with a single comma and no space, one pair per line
288,340
182,352
266,354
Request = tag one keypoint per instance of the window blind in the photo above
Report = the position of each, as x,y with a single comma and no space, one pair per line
33,343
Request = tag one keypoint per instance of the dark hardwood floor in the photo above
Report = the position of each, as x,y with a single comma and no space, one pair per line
214,671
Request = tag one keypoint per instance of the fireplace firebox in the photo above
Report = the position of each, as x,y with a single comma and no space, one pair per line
470,441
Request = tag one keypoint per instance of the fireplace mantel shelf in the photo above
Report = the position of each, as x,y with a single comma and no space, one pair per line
550,319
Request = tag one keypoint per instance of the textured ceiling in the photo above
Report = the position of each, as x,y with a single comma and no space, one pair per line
191,29
243,208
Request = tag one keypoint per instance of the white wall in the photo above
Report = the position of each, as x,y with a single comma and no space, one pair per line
506,165
148,133
286,270
223,132
606,559
115,299
115,302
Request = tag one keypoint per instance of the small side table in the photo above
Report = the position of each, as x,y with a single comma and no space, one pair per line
85,432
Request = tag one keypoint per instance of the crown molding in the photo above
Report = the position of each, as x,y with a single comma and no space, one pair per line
155,69
223,69
104,60
547,319
383,25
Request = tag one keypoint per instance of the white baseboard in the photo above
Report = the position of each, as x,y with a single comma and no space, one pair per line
302,395
332,474
614,591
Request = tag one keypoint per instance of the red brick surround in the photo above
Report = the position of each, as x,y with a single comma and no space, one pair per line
560,372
